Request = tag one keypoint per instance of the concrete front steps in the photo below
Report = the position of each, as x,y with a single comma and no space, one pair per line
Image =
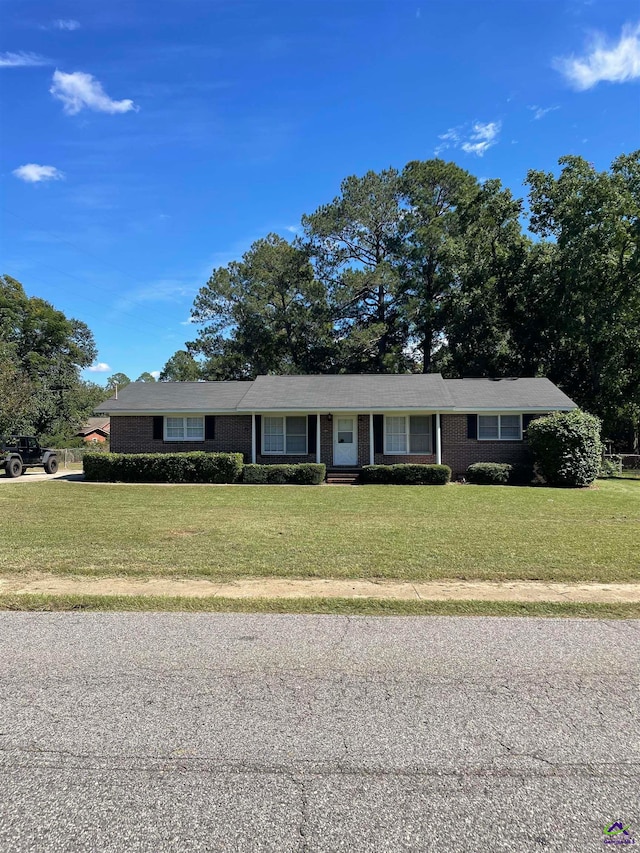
342,476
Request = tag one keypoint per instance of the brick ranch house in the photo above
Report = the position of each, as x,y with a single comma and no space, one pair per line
345,421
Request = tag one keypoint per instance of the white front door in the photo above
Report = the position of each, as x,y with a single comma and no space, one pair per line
345,440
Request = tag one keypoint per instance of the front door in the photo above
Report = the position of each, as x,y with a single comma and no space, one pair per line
345,440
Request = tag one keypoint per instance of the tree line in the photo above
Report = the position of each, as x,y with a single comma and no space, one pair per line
428,269
431,269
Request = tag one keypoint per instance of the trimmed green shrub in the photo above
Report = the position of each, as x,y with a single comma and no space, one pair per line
489,473
406,475
567,448
303,474
197,467
499,474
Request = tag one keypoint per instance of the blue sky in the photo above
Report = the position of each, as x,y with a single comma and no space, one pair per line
145,143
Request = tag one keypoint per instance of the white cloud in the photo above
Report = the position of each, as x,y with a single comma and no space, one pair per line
22,59
475,140
616,62
32,173
155,374
68,24
100,367
79,90
540,112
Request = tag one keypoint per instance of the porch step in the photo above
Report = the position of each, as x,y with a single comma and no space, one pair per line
342,478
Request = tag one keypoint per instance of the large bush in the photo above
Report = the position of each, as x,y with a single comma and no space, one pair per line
499,474
567,448
197,467
406,475
303,474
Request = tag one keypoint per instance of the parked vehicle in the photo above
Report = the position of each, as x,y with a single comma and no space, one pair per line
18,452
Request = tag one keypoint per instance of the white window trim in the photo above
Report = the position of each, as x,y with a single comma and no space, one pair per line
407,427
498,415
184,428
284,452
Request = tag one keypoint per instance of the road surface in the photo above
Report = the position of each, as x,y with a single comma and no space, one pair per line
179,732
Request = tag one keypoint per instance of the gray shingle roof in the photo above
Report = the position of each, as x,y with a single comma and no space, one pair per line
347,391
541,393
176,397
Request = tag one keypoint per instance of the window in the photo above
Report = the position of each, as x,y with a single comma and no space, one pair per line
409,434
285,435
184,429
500,427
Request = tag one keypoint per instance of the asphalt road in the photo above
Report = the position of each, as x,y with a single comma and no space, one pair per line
171,732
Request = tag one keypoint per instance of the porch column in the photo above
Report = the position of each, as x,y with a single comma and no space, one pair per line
372,457
318,437
438,440
253,439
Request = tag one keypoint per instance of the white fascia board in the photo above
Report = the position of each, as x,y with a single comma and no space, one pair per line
170,412
515,409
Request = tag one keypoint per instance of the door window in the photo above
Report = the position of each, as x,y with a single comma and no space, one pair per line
345,431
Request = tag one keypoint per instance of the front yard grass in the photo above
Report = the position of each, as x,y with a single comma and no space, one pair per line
404,532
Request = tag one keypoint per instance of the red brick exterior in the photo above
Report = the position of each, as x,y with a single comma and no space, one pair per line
458,451
134,434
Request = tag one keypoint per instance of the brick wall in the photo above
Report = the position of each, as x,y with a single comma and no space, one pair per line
134,434
459,452
403,459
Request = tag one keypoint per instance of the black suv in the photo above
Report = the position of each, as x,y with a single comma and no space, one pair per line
18,452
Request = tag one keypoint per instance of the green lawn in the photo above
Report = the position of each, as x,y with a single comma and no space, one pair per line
330,531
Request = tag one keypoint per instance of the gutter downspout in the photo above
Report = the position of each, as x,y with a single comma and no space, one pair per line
438,440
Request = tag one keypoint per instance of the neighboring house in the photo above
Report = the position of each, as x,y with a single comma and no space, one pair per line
344,421
95,430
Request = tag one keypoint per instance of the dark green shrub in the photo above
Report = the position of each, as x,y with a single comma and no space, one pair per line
567,448
197,467
303,474
489,473
374,475
499,474
406,475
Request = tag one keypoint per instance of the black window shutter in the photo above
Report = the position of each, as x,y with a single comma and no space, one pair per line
311,434
378,433
526,420
158,428
209,427
434,427
472,426
258,435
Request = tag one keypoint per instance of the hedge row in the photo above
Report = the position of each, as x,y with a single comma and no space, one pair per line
499,474
406,475
197,467
303,474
